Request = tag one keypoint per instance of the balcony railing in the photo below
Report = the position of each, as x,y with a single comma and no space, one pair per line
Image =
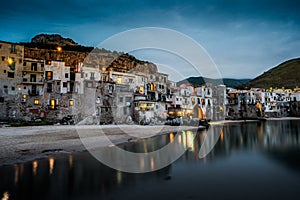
33,81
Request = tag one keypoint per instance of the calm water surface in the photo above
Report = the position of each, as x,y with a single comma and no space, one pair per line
249,161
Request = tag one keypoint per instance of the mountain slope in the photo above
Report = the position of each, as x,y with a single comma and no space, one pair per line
229,82
286,74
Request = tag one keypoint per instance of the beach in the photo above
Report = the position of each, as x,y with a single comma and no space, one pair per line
21,144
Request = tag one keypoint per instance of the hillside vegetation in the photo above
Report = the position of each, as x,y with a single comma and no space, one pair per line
286,75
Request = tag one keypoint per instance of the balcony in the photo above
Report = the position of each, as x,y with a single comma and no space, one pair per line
34,69
27,81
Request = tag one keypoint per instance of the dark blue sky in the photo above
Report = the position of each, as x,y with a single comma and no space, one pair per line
244,38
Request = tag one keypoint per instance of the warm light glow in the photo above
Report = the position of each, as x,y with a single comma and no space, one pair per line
141,89
143,105
151,163
71,102
171,113
19,89
10,61
103,68
70,161
179,139
59,49
5,196
34,167
36,102
171,137
16,174
222,135
51,165
119,80
179,114
52,103
24,96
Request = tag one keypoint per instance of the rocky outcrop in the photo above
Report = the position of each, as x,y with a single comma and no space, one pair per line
129,63
53,39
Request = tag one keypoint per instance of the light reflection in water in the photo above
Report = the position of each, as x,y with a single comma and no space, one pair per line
151,163
34,167
51,165
119,177
171,137
222,135
16,174
70,161
179,139
5,196
228,157
142,163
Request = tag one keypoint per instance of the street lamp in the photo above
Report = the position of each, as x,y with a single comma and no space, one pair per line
59,49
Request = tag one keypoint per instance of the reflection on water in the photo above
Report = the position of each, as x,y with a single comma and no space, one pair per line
5,196
249,161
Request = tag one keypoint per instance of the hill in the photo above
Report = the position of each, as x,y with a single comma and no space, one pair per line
52,41
286,74
229,82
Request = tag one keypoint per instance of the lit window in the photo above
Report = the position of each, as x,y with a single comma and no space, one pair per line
52,103
71,102
36,102
49,75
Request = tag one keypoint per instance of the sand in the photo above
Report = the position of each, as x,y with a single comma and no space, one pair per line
21,144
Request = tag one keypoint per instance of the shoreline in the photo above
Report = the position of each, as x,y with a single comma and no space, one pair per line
23,144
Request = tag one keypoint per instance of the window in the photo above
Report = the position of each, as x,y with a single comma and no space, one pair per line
89,84
65,84
24,63
13,88
125,110
1,99
52,104
66,75
10,74
13,48
24,87
121,99
49,75
3,58
5,89
42,66
34,66
49,87
130,80
4,71
57,83
0,46
92,77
